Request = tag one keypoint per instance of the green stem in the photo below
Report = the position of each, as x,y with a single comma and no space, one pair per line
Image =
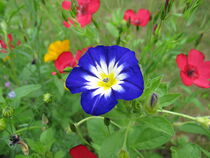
80,134
27,128
139,154
95,117
178,114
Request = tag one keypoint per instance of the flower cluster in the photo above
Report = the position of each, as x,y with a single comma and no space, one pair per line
193,69
84,11
59,52
5,46
106,74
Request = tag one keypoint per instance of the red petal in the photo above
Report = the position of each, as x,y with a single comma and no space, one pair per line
143,16
3,45
81,151
18,43
129,14
84,20
10,37
54,73
204,69
202,82
195,57
181,61
66,24
64,60
79,54
185,79
93,8
66,5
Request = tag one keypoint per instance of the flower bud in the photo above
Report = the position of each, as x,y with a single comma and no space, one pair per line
7,111
2,124
153,100
106,121
47,97
73,128
204,120
123,154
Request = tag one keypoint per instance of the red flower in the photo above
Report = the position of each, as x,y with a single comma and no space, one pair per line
141,18
5,46
67,59
193,69
66,5
85,10
81,151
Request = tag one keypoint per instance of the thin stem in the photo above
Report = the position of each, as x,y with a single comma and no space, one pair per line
27,128
178,114
95,117
80,134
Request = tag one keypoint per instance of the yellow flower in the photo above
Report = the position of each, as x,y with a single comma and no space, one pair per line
55,49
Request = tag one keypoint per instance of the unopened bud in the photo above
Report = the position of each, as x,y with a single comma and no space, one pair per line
7,111
204,120
2,124
106,121
123,154
73,128
47,97
153,100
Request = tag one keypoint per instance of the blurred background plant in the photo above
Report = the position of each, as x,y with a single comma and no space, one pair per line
49,120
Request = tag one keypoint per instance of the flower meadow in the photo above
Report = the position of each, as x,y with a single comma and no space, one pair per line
104,79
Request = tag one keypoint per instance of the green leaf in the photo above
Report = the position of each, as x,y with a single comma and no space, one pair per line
185,151
192,127
110,148
2,100
152,85
3,55
151,133
168,99
36,146
102,131
26,90
2,8
112,29
47,138
60,154
152,155
60,85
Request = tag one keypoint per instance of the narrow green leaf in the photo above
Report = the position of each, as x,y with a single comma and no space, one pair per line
168,99
26,90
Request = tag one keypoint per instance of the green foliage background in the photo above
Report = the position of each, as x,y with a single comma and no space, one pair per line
141,131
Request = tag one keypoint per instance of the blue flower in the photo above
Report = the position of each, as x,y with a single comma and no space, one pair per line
106,74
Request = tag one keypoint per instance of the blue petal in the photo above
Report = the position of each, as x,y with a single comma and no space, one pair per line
97,105
133,85
75,81
108,53
122,56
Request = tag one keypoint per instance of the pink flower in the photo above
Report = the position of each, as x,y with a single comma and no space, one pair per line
141,18
193,69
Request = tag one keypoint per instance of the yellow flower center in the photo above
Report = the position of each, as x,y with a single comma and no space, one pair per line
107,80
